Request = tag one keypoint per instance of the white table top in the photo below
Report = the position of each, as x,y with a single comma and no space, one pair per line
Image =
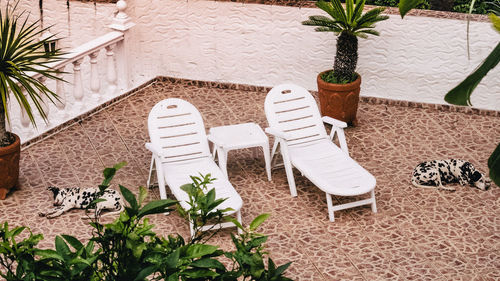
238,136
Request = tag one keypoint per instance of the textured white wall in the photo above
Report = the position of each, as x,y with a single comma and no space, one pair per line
417,59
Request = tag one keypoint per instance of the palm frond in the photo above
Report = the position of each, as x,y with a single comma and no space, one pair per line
349,7
360,4
321,21
334,9
370,18
363,32
326,29
22,58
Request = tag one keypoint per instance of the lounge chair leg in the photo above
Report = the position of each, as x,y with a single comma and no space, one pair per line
150,171
330,207
238,218
374,204
222,156
161,184
273,153
289,176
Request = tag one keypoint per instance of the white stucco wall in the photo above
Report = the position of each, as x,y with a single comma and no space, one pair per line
417,59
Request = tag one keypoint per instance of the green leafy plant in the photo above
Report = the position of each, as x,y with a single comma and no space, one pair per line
17,259
129,249
203,206
348,23
22,62
249,254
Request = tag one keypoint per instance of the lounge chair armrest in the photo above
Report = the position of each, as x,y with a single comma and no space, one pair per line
155,150
337,128
277,133
334,122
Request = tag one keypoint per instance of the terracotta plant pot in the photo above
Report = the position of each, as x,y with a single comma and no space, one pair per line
339,101
9,166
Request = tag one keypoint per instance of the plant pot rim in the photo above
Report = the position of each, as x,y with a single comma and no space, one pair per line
353,84
15,146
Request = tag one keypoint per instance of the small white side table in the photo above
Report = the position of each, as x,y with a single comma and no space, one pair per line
226,138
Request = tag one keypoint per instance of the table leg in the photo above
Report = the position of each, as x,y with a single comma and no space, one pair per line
222,156
267,158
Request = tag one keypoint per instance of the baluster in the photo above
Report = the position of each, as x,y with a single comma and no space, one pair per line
111,70
77,83
95,84
61,104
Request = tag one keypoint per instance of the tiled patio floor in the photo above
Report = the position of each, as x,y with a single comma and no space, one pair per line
416,235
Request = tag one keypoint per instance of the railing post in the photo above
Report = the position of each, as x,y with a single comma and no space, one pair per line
122,23
77,83
95,82
61,103
111,69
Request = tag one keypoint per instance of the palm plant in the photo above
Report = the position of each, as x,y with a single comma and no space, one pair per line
349,24
22,61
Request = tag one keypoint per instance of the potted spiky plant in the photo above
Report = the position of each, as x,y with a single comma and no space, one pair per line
22,62
339,88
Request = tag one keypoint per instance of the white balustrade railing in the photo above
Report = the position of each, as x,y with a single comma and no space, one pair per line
90,77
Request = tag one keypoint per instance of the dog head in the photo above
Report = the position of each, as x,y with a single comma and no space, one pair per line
474,177
58,194
480,181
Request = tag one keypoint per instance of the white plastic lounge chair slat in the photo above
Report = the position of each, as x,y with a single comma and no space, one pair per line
177,133
291,109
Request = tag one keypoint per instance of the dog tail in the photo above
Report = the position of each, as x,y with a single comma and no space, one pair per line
433,187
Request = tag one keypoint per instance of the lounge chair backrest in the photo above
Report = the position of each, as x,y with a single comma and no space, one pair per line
176,128
293,110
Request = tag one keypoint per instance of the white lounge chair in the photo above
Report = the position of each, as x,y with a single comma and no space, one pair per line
180,150
297,125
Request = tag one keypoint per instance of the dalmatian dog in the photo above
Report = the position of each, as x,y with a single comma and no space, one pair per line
433,174
66,199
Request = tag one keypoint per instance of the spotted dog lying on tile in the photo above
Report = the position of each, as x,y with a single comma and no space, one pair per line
432,174
66,199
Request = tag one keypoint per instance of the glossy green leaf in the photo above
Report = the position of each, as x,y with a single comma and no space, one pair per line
200,250
49,254
62,248
156,207
460,95
208,263
494,165
75,243
145,273
406,5
233,220
172,259
281,268
129,197
258,221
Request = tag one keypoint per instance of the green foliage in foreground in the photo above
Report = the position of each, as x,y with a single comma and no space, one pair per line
129,249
